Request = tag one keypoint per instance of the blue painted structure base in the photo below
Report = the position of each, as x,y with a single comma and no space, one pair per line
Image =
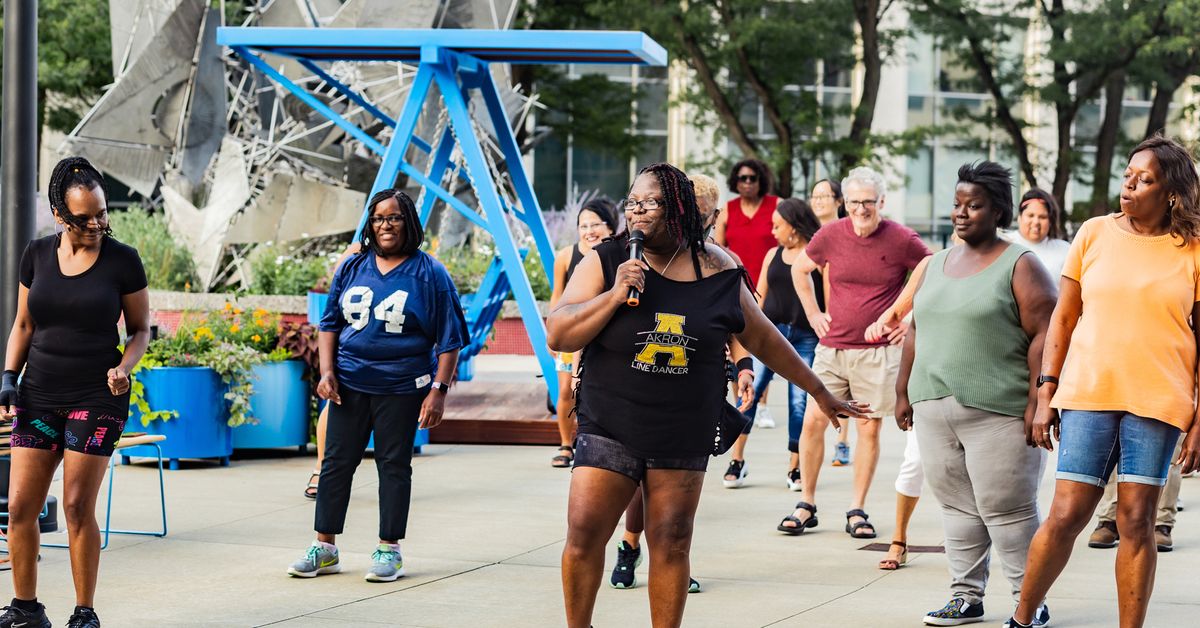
280,404
200,431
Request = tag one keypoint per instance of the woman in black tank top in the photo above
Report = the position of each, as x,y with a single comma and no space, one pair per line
596,221
653,384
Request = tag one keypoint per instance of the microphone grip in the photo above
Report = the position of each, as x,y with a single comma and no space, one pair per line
635,253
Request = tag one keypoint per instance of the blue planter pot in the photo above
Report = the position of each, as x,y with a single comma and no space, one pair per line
201,429
316,306
420,440
280,404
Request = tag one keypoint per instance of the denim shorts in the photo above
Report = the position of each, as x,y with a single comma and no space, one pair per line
592,450
1093,443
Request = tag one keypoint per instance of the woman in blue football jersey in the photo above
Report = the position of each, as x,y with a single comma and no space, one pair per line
389,342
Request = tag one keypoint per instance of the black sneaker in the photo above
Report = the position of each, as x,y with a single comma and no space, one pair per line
628,559
955,613
14,617
83,618
1041,617
737,468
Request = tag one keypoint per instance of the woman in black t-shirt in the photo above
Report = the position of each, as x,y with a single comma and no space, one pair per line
73,398
653,384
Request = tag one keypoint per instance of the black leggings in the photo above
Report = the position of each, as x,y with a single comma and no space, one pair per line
394,421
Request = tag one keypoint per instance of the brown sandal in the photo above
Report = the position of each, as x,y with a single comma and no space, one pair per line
892,564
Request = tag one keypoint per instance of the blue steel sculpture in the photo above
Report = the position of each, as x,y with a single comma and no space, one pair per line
457,60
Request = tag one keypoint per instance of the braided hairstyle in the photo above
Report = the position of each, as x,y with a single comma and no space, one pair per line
414,235
680,210
70,173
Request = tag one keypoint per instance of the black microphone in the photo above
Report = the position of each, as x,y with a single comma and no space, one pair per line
636,238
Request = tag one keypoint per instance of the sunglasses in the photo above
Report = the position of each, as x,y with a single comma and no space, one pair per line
748,178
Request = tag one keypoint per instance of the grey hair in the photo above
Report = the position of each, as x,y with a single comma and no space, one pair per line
862,175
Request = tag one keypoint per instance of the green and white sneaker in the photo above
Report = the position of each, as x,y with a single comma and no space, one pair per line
386,564
320,559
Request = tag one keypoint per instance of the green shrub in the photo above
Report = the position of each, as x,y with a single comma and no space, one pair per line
277,269
168,265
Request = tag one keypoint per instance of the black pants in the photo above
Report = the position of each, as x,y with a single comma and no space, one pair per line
394,421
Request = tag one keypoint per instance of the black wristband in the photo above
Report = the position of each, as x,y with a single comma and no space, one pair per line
9,380
745,364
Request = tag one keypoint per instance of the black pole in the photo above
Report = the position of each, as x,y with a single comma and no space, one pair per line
18,149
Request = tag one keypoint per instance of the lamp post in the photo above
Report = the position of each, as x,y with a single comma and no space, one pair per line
18,149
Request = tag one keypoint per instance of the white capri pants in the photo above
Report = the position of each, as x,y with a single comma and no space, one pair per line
912,475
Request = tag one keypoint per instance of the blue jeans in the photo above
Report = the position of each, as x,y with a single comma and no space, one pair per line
1094,442
804,341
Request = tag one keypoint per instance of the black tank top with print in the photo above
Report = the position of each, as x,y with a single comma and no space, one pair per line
654,378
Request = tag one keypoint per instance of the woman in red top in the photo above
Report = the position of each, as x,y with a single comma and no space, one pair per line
745,225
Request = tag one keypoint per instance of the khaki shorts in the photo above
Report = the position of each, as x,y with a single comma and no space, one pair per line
867,375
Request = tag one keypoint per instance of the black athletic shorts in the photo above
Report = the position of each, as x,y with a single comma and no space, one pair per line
593,450
85,430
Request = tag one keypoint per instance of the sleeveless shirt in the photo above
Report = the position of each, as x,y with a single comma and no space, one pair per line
970,343
654,378
576,257
782,305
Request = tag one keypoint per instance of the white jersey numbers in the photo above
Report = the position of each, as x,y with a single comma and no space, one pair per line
356,308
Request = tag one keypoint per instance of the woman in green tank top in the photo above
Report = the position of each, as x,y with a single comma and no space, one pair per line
965,386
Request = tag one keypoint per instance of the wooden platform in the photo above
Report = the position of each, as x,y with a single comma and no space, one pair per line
497,413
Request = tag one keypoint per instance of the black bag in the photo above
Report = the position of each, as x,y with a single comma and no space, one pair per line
730,425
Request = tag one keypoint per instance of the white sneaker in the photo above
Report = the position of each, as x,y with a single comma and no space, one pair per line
762,417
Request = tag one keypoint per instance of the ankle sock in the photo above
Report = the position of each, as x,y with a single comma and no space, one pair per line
29,606
1013,623
79,609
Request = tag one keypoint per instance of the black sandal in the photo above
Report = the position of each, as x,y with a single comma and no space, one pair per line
853,528
310,491
801,524
563,460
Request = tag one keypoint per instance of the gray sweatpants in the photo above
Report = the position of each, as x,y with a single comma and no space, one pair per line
986,479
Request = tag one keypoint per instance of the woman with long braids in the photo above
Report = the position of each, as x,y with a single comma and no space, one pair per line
653,385
73,397
389,342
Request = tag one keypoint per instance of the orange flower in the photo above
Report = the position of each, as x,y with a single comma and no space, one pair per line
256,338
234,328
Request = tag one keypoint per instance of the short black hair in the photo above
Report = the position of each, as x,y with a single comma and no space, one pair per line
996,181
835,188
605,208
73,172
765,183
1047,199
800,216
414,235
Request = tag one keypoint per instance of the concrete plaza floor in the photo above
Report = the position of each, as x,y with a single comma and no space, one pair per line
486,532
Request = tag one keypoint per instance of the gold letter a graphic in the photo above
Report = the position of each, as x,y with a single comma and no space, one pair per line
665,324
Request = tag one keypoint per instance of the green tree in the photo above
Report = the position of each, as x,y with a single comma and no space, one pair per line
74,59
1090,46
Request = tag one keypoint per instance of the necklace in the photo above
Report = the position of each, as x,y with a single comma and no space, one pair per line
663,272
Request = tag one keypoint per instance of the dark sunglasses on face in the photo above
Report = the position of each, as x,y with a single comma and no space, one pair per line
391,219
748,178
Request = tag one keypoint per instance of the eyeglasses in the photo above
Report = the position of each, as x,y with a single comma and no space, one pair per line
748,178
392,219
869,204
822,197
647,204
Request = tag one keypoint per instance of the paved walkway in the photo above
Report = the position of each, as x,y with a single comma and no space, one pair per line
485,537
